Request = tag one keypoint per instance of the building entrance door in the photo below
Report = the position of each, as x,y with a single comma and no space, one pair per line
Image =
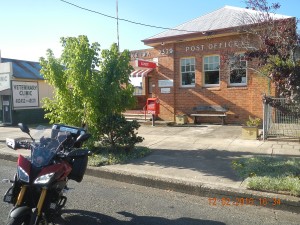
1,111
6,109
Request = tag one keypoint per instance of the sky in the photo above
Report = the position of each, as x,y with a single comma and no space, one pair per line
30,27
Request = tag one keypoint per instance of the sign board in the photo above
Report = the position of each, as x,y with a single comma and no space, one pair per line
4,81
150,111
165,83
165,90
25,94
146,64
5,103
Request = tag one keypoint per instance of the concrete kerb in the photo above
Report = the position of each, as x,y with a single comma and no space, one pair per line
8,157
287,203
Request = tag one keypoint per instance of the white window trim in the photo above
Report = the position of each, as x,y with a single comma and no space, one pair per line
211,85
239,84
188,85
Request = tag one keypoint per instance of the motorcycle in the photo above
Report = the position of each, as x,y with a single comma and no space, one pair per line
38,187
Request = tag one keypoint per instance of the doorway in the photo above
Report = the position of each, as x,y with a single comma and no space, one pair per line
5,109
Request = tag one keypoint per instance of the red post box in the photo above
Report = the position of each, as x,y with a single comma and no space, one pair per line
153,106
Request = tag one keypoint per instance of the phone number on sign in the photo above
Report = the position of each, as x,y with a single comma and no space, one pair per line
243,201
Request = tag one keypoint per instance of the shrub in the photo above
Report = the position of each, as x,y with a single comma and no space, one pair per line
116,132
253,122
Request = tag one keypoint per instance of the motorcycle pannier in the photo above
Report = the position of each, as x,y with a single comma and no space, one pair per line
79,165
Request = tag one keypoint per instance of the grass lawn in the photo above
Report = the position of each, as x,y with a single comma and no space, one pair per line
104,156
273,174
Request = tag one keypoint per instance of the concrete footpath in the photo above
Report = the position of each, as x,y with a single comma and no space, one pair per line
191,159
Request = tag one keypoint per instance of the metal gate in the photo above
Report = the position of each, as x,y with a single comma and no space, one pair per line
278,124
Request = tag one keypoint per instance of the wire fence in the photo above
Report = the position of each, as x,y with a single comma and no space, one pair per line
279,124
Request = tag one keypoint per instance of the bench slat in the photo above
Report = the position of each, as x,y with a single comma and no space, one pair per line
208,115
207,109
211,108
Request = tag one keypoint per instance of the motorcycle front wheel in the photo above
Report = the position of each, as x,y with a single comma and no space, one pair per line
22,220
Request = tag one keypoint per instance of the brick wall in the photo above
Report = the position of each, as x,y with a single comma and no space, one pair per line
242,101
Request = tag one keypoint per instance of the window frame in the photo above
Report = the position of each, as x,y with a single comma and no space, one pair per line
203,61
181,73
230,69
150,88
138,91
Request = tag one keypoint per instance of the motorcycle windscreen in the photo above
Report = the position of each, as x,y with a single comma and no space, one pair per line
43,153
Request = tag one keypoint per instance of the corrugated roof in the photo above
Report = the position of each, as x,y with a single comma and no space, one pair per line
25,69
223,18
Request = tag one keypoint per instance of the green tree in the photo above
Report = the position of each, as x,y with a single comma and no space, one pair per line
275,53
70,77
87,87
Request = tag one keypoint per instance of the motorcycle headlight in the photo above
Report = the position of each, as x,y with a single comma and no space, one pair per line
44,179
23,176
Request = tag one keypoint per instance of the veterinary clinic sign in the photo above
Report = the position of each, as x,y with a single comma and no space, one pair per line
25,94
4,81
5,71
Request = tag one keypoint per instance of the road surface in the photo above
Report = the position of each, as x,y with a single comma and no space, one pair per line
99,201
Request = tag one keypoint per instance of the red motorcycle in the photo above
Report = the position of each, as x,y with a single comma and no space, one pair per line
37,191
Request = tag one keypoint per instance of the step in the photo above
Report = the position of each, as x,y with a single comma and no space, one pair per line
137,115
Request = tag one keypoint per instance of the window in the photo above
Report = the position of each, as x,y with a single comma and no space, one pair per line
138,91
212,70
137,83
187,72
238,70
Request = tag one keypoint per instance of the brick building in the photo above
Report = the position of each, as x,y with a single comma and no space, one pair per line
191,70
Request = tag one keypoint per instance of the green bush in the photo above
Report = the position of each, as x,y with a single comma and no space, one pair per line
253,122
117,132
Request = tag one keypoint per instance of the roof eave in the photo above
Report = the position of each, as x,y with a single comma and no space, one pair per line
191,36
28,78
204,34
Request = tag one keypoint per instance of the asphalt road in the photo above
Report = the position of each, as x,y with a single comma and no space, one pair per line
99,201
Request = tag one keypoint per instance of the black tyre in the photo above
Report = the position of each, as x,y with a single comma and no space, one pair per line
22,220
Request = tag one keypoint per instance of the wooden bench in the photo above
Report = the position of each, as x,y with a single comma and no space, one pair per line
210,111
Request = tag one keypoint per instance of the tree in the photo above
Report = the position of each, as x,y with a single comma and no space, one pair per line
72,77
275,51
87,88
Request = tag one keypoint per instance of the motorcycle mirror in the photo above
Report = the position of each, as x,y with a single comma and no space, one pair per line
83,137
24,128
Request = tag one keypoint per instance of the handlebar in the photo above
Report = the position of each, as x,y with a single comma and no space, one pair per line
17,144
68,143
